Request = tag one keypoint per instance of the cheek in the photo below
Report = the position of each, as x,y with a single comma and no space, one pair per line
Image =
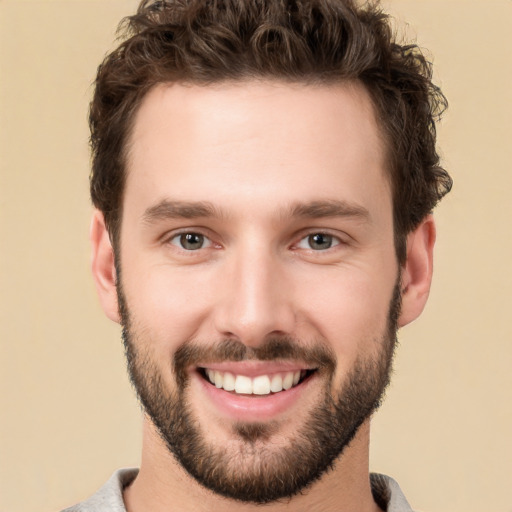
350,312
168,306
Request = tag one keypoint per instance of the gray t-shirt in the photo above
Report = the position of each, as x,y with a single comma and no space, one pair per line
109,498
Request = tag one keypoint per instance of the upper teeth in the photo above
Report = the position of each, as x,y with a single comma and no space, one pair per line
261,385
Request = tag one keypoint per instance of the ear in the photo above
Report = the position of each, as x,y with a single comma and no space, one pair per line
103,268
417,271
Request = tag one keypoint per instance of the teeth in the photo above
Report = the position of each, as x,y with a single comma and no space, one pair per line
288,380
229,382
276,384
261,385
243,385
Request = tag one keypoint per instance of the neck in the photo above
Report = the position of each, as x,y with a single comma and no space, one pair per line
162,484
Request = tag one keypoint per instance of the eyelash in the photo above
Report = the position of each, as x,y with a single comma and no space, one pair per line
181,235
333,241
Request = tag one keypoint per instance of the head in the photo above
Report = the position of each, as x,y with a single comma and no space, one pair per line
305,42
264,174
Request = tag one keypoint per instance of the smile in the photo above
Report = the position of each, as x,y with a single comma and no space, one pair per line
255,391
264,384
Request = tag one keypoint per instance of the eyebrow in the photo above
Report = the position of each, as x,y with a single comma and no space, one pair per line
169,209
329,208
173,209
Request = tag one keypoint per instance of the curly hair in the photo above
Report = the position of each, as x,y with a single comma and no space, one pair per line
299,41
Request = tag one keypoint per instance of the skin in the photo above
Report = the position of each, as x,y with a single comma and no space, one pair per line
255,151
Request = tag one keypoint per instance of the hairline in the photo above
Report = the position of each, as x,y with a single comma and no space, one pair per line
313,81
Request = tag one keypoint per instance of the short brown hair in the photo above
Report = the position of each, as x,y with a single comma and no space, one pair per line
304,41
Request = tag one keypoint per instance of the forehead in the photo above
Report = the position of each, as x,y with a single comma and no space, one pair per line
240,140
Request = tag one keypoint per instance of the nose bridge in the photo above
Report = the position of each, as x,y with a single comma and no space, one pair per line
256,302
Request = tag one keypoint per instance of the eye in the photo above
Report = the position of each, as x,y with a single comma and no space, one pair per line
190,241
318,242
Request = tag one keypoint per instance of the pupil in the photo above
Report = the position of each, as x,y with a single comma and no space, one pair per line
191,241
320,241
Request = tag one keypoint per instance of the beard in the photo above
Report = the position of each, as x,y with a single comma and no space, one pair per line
251,469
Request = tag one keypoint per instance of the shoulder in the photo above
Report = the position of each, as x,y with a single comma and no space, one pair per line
110,496
387,494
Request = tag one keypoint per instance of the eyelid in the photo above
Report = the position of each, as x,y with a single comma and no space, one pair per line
168,238
206,241
335,242
339,238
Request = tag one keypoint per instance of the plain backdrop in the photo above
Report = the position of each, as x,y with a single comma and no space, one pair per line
68,416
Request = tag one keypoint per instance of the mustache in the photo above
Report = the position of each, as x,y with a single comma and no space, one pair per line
192,353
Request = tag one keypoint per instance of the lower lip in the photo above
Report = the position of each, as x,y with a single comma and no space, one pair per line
254,407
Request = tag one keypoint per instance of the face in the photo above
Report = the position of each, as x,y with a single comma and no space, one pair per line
257,278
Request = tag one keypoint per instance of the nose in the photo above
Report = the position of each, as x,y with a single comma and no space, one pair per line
255,299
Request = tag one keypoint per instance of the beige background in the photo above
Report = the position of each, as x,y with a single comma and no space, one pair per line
68,418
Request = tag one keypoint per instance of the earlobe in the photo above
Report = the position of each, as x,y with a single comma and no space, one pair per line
103,266
417,271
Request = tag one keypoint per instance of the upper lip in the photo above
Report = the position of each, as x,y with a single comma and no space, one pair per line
255,368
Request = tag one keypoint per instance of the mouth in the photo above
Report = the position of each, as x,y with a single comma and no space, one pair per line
255,391
263,384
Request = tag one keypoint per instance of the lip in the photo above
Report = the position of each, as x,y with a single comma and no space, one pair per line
253,408
255,368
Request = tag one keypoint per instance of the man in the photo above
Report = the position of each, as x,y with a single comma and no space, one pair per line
263,174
